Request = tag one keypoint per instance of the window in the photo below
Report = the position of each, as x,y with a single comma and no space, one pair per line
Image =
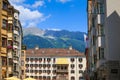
10,61
4,24
80,72
27,71
27,59
4,6
31,59
72,59
40,59
40,71
95,58
72,66
31,65
31,71
100,8
44,65
9,28
80,59
36,59
81,78
72,71
53,65
10,43
40,65
80,66
54,77
101,53
22,63
93,40
4,42
53,60
100,29
72,78
48,65
36,65
22,54
48,71
48,59
36,71
54,71
4,61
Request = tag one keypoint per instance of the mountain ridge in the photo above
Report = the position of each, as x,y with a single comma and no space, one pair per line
54,39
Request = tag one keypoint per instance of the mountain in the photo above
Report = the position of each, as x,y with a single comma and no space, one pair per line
53,39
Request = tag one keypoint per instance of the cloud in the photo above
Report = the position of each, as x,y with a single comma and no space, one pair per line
38,3
54,29
63,1
16,1
29,17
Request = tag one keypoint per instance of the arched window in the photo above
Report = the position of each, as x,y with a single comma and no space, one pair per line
40,59
72,66
80,66
72,78
80,60
72,59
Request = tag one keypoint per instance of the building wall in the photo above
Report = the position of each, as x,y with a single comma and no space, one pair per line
59,61
103,33
112,29
7,39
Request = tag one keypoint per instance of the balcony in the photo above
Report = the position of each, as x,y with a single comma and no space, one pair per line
15,46
62,71
16,32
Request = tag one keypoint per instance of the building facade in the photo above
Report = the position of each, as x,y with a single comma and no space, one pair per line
104,41
55,64
10,40
23,58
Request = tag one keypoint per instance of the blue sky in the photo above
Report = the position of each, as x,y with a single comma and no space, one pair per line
53,14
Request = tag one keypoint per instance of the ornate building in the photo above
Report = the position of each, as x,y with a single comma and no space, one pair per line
55,64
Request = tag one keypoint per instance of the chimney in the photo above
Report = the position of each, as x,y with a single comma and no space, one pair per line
37,47
70,48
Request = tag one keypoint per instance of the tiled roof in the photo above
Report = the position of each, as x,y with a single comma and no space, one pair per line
52,52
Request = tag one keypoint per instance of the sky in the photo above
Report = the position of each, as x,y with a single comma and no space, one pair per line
53,14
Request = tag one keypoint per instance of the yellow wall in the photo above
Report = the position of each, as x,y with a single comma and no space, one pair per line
4,12
10,35
4,32
62,61
3,50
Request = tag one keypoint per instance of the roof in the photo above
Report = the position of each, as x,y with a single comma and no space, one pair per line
53,52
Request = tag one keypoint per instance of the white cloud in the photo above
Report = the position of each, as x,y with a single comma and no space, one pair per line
63,1
30,17
38,3
54,29
16,1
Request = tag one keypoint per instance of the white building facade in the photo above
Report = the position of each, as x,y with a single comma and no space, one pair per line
55,64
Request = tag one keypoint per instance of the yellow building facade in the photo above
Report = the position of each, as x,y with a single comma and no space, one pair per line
9,61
